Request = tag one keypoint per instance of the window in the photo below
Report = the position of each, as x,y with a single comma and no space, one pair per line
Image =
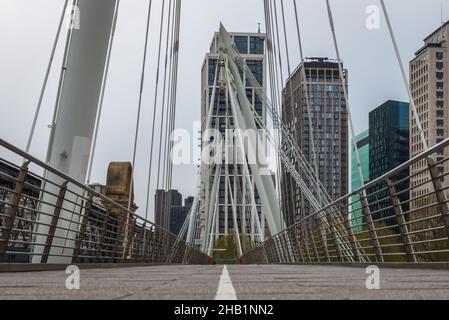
259,106
440,75
256,45
440,65
440,85
440,94
256,67
440,123
212,68
440,104
440,113
249,95
241,43
439,55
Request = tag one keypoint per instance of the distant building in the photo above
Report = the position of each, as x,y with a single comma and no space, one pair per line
329,119
162,216
429,82
188,202
362,142
174,218
98,187
179,214
388,148
101,189
252,47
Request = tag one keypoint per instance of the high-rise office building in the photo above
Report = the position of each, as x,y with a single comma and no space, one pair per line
251,46
329,122
178,215
173,219
162,216
388,148
429,82
362,143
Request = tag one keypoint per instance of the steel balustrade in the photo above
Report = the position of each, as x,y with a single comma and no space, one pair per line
404,218
99,222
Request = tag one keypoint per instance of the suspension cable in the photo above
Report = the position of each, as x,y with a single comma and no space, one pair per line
404,78
47,74
345,92
139,109
167,100
150,166
174,91
278,81
103,87
163,112
308,102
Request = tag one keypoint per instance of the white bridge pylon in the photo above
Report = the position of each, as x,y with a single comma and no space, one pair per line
246,118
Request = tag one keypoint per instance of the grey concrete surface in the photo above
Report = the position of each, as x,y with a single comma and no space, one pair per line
341,283
250,282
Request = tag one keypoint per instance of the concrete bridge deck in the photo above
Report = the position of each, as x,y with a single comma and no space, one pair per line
268,282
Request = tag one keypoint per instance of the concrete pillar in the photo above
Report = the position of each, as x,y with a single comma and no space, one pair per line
118,184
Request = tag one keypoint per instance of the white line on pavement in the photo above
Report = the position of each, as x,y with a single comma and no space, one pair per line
225,290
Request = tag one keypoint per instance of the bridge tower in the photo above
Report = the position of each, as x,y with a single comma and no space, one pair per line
77,104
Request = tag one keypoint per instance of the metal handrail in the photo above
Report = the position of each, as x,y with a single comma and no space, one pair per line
401,224
389,174
98,232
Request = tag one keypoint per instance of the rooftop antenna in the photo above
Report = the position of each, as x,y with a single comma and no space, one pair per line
442,22
259,25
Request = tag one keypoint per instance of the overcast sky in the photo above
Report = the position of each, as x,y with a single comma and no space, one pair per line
27,31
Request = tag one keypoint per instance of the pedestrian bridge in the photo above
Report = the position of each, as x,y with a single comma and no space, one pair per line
202,283
51,219
390,228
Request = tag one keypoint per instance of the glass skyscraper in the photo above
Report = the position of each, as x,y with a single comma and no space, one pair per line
362,142
389,148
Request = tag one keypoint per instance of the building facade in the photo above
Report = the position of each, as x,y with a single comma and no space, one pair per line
429,82
251,46
362,141
329,122
161,215
173,219
389,147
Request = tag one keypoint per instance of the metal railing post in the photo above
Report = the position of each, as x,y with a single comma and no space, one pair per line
11,213
298,241
371,228
278,250
54,222
401,222
440,193
323,239
155,244
82,234
306,242
285,240
271,254
352,241
104,229
140,251
333,230
312,238
269,251
294,244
